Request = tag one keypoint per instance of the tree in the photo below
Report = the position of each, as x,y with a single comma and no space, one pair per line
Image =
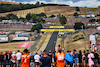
37,4
36,27
92,20
3,18
34,17
42,4
42,15
76,14
78,25
63,20
52,16
11,17
98,20
77,9
28,16
22,19
39,19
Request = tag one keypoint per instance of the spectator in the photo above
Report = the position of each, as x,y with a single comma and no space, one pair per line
83,59
41,53
54,57
71,53
10,53
99,58
90,61
50,55
32,57
80,58
25,59
6,58
86,58
4,65
13,59
1,58
60,59
53,60
68,59
18,55
59,47
32,64
37,60
96,58
45,59
76,56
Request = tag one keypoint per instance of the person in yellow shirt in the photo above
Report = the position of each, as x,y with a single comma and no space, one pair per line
25,59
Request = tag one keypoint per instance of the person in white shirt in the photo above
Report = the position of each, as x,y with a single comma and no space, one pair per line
13,59
37,60
18,55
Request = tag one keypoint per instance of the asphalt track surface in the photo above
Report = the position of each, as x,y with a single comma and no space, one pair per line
33,47
52,42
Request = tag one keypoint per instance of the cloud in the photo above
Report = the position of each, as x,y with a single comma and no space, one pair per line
7,0
81,3
88,3
33,2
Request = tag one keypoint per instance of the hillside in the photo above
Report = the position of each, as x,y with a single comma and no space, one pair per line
5,2
78,45
53,10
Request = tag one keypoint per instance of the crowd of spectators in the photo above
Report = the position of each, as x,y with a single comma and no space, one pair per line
15,26
83,20
52,59
91,31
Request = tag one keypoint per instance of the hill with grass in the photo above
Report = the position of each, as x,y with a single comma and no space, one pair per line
53,10
5,2
76,41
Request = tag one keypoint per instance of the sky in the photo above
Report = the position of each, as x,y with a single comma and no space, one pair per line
79,3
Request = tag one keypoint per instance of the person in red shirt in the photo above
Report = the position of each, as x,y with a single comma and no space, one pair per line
60,59
25,59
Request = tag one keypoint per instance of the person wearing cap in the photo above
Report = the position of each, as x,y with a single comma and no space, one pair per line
13,59
71,53
25,59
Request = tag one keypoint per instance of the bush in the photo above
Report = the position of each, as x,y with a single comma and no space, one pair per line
98,20
92,20
78,25
76,14
78,39
36,27
77,9
87,27
52,16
